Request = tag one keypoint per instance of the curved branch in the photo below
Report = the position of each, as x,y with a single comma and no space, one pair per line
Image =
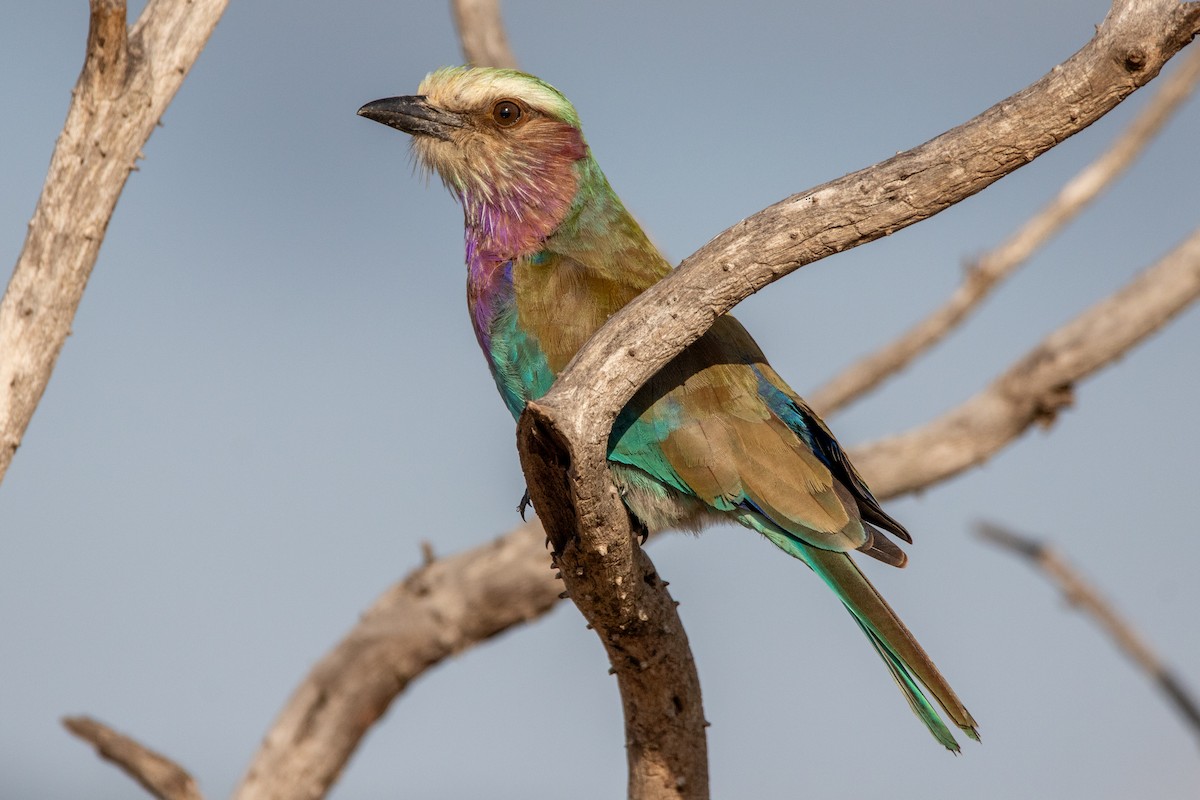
481,33
1083,596
990,269
158,775
125,86
1129,48
563,437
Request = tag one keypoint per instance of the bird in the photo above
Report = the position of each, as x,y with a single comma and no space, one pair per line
716,435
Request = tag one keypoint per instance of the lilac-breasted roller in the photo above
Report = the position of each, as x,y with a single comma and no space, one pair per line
716,435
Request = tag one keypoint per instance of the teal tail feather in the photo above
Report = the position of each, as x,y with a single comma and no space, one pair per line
905,659
917,701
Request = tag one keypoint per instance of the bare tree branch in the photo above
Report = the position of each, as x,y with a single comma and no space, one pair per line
1040,384
440,609
563,437
124,88
481,33
990,269
159,775
1083,596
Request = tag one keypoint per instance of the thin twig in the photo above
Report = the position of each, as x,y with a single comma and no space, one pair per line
990,269
159,775
1086,598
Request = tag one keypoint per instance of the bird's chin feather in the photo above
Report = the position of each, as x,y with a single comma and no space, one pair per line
427,155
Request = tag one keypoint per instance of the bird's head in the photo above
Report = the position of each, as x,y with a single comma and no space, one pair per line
506,143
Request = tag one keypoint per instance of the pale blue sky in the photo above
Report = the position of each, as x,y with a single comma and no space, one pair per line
272,395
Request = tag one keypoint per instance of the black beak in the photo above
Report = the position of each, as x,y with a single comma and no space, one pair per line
413,115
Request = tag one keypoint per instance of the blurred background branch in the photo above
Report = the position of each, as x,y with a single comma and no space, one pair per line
481,33
990,269
158,775
1085,598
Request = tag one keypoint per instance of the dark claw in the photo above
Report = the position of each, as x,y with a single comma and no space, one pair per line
524,504
640,528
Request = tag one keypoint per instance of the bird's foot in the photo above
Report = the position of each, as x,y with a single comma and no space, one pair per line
524,504
640,529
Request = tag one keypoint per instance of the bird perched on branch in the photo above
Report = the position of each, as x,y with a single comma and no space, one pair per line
717,434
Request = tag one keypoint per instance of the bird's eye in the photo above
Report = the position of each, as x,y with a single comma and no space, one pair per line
507,113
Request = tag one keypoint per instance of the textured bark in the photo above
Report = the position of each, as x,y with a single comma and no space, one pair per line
992,268
128,79
562,438
159,775
614,584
